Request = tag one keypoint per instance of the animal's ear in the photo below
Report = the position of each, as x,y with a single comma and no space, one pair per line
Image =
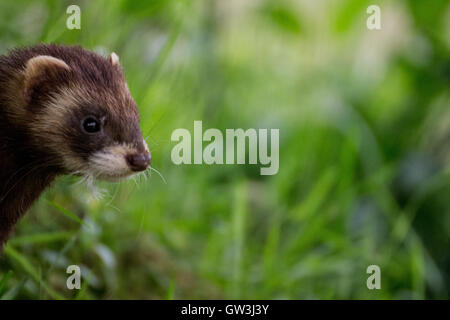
40,68
114,59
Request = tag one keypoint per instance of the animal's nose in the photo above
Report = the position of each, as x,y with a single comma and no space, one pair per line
139,162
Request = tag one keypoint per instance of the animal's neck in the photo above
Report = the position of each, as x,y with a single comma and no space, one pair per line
20,186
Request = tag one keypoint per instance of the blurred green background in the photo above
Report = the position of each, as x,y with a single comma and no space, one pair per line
364,123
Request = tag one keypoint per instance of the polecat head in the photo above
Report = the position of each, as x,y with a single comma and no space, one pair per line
81,113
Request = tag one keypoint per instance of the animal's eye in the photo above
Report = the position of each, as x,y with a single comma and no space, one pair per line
91,125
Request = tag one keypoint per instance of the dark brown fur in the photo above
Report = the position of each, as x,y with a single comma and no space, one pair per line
27,165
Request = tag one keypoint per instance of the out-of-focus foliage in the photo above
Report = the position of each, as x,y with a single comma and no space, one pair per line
364,124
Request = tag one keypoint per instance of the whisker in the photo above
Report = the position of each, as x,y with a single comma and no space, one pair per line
159,173
113,195
31,168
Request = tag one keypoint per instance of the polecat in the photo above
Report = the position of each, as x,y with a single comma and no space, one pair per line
63,110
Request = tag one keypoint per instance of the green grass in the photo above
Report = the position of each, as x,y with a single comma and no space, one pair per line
364,155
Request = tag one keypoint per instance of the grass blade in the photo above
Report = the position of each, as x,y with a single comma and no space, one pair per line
67,213
28,267
4,281
42,238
